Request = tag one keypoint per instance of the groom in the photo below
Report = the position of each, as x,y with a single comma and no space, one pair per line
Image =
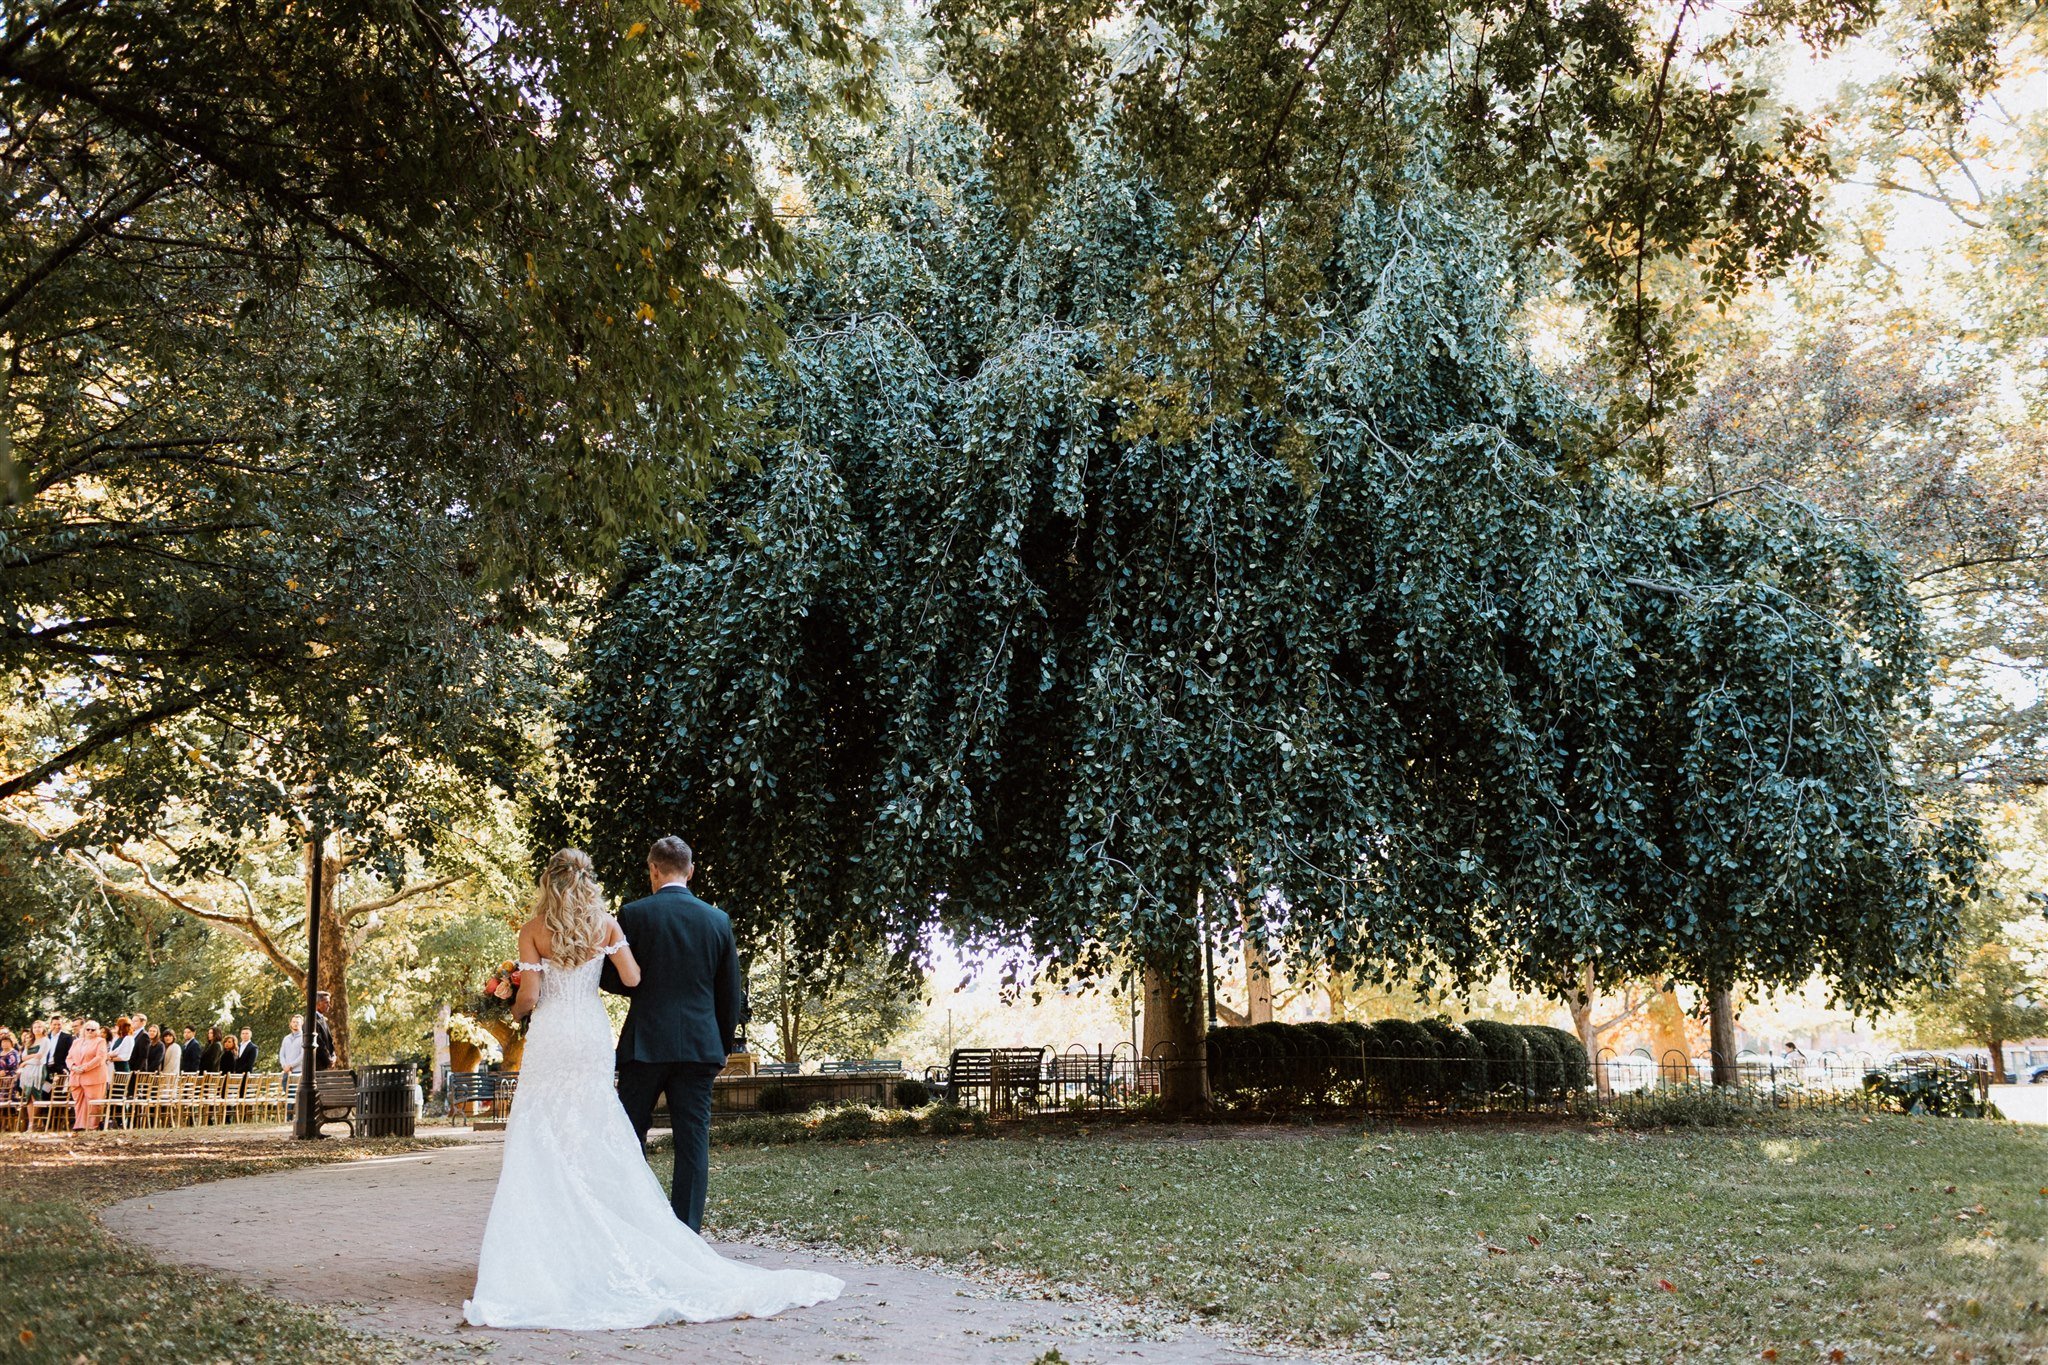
684,1014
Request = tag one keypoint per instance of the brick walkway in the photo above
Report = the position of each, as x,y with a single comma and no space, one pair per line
390,1245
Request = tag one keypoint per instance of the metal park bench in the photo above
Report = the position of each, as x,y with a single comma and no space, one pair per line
866,1067
1007,1079
481,1096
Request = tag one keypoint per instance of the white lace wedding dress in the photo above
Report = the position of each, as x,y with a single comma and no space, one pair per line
581,1235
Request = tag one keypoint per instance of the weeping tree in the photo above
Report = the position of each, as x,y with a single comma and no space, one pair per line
986,642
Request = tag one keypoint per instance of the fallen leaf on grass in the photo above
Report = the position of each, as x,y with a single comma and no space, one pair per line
1498,1251
1380,1275
1770,1353
1667,1286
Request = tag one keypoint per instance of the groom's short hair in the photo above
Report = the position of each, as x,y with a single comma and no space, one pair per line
671,854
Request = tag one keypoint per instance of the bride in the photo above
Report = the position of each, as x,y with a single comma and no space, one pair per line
580,1234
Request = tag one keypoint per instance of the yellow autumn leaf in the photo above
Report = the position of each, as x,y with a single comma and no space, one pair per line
635,31
646,311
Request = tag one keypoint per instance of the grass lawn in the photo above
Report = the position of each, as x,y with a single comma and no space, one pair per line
1890,1238
70,1292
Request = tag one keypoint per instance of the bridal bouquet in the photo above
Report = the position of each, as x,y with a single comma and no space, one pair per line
499,989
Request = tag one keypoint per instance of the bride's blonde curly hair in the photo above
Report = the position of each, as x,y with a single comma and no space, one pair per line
571,904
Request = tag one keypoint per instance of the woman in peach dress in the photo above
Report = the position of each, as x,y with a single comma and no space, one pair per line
92,1071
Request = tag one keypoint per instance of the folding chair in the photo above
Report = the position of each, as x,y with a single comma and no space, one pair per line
41,1113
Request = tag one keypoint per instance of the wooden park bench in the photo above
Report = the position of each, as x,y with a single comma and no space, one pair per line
334,1099
1008,1078
868,1066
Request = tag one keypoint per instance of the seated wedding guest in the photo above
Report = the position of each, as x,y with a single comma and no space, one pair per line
92,1070
174,1053
121,1047
10,1062
245,1058
213,1054
193,1049
291,1053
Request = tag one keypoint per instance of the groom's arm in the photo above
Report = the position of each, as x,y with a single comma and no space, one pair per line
608,975
728,994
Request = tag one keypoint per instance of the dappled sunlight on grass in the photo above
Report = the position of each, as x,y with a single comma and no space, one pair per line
1570,1243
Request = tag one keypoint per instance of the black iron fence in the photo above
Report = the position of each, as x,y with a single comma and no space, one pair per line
1291,1076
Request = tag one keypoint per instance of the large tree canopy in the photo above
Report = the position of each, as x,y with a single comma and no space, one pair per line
1641,144
331,333
974,649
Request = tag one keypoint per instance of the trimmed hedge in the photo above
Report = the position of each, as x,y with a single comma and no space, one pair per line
1394,1064
849,1123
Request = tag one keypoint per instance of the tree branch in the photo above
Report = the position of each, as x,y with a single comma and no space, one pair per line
112,734
250,926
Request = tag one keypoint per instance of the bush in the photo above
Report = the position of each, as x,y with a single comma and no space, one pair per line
1546,1063
1507,1056
912,1093
1574,1071
848,1123
1404,1066
1464,1059
1394,1064
950,1120
1686,1106
776,1099
1920,1088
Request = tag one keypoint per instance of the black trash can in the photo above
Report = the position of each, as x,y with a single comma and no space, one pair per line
384,1100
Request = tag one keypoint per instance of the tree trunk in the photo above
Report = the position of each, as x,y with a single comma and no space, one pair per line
1176,1039
1581,1001
1340,997
511,1041
1667,1029
1258,981
1155,1022
334,955
1721,1035
1996,1047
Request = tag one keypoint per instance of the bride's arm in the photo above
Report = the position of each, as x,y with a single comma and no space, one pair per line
622,957
529,975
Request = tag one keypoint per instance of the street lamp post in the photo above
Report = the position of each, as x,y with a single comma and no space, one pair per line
309,1059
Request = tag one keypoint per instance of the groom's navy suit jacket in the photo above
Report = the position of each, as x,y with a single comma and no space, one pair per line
687,1005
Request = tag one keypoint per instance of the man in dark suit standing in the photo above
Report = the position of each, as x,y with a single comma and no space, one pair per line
60,1052
189,1061
323,1035
684,1015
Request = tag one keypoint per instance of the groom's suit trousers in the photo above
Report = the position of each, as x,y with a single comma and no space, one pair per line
688,1085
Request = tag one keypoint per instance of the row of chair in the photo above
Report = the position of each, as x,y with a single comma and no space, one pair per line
147,1099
